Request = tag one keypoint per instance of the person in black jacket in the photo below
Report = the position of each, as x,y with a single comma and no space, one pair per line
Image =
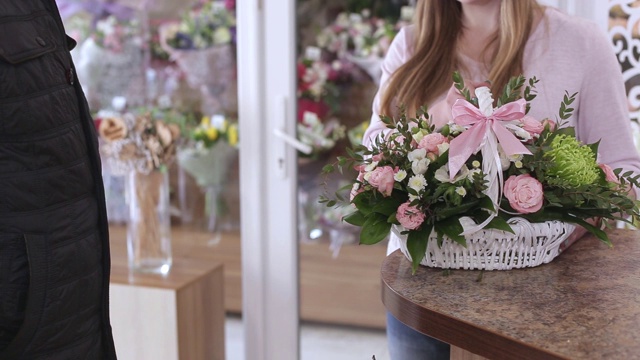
54,242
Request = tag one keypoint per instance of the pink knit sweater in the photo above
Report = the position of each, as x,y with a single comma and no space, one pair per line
564,53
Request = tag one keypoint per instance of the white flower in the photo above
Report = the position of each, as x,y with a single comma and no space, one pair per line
523,134
371,166
400,175
515,157
367,176
518,164
461,191
442,148
504,159
312,53
417,154
472,173
420,166
417,182
413,197
442,174
485,100
455,128
475,164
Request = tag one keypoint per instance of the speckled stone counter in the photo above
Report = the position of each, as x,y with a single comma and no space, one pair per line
585,304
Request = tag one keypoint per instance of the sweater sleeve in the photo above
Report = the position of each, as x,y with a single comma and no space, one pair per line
396,56
603,107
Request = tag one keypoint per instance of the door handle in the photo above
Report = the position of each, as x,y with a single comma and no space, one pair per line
295,143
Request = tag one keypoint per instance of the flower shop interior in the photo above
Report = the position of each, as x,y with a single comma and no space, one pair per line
215,120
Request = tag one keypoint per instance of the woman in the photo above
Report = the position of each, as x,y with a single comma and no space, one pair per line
495,40
54,243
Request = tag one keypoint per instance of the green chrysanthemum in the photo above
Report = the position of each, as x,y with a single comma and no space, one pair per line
573,163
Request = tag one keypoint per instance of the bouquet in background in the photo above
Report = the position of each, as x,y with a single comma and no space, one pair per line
210,151
321,136
208,156
202,46
139,141
110,62
487,170
113,34
316,90
212,24
361,39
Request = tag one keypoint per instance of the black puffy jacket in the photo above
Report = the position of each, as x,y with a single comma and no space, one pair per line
54,248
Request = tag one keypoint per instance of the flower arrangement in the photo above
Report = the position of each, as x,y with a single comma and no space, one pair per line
320,136
214,129
361,40
316,90
358,34
141,142
485,170
209,25
112,34
211,147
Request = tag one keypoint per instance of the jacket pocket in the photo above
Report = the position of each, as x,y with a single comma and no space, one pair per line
37,258
26,37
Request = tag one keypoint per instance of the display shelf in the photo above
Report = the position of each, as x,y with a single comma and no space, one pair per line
343,290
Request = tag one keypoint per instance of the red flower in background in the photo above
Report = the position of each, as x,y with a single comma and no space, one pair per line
230,4
317,107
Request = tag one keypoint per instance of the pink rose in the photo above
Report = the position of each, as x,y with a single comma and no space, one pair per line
431,142
524,193
550,124
409,216
382,179
531,125
609,174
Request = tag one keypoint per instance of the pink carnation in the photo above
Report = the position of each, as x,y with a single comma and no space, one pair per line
609,174
431,142
531,125
409,216
524,193
382,179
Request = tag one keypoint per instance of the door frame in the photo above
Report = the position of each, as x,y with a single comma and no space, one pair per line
268,179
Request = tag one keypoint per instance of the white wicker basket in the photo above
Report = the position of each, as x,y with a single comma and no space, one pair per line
489,249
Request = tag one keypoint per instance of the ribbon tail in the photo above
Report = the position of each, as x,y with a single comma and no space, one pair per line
510,143
492,168
461,148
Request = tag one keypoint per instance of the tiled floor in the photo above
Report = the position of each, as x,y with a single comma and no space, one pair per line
320,342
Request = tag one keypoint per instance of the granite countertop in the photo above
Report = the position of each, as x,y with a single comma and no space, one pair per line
585,304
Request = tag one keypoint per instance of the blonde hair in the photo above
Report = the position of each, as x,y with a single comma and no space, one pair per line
428,73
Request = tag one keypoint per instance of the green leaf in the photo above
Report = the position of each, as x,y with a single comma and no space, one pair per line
355,218
328,168
386,206
374,229
417,245
452,228
500,224
363,203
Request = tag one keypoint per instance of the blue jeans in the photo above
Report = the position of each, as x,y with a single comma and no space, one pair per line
408,344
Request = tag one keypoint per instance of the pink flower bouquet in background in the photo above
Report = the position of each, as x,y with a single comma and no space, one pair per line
494,189
361,39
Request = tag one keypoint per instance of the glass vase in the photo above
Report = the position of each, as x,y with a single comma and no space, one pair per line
149,223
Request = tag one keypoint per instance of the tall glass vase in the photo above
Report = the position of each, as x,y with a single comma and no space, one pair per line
149,225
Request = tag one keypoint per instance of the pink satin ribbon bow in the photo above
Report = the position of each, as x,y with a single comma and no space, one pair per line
465,114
